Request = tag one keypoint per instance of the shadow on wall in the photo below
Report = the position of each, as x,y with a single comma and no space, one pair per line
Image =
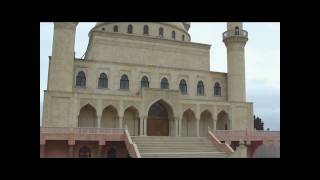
270,150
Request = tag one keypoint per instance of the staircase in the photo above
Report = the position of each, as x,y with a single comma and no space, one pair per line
176,147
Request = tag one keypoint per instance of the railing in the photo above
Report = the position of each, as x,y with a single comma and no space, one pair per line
235,33
131,146
246,135
224,147
64,130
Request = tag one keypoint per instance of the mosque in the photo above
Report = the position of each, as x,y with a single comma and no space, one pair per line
145,90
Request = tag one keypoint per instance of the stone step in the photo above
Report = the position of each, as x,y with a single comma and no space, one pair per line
169,141
177,150
184,155
176,147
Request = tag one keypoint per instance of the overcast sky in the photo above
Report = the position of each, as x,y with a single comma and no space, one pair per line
262,61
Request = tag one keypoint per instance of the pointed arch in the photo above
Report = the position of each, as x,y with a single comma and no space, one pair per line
188,123
160,120
223,121
87,116
131,119
206,121
109,118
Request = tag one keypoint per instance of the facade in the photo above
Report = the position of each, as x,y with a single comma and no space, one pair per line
146,77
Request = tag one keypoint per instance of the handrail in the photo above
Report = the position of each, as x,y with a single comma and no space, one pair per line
235,33
131,146
224,147
81,130
246,134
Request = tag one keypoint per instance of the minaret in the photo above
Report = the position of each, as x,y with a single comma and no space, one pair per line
60,77
235,39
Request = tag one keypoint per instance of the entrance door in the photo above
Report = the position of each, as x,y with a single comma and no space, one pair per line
158,120
158,127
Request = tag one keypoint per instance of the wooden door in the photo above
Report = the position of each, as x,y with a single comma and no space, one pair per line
158,127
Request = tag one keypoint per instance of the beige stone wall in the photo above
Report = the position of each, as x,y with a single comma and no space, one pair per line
110,47
114,71
238,113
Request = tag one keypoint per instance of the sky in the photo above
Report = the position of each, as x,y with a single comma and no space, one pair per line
262,58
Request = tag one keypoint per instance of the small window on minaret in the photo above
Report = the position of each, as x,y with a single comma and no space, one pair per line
173,35
182,37
145,29
115,28
237,33
130,29
161,32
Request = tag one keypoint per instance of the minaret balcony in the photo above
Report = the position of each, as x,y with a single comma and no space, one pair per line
238,33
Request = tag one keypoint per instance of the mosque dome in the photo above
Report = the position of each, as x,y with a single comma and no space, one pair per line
166,30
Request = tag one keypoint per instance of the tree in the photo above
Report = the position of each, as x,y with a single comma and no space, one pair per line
258,123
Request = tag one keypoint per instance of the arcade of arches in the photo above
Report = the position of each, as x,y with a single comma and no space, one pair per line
161,120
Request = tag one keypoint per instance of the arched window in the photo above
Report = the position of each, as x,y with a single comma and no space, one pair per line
200,89
173,35
112,153
103,81
217,89
182,37
81,79
130,29
237,33
146,29
161,32
124,82
164,83
84,152
144,82
115,28
183,87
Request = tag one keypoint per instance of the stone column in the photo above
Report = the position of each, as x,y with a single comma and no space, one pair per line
42,150
214,124
145,125
180,126
176,124
120,121
197,126
141,127
99,122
